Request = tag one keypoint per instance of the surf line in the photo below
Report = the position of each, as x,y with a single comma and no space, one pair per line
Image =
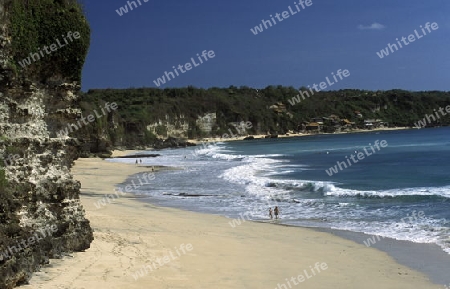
243,127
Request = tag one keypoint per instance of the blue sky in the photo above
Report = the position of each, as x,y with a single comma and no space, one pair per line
136,48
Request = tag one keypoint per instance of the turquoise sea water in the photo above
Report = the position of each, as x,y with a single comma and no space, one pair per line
401,191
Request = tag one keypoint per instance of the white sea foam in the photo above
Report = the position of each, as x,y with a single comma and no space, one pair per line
306,202
254,173
424,191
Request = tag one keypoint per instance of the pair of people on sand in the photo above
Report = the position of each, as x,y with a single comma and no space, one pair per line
275,211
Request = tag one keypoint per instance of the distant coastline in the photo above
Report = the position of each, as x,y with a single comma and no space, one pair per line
289,135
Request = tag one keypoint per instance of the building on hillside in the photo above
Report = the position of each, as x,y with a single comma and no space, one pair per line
334,117
347,124
374,123
318,120
313,127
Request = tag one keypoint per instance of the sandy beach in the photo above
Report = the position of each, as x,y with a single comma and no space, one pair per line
180,249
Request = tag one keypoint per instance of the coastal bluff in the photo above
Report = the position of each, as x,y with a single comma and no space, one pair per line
41,216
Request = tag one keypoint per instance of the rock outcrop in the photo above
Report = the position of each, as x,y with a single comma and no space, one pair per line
40,212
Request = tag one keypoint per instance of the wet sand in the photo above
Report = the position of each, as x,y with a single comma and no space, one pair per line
131,236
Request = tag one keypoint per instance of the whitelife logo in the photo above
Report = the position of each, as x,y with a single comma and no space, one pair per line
360,155
45,232
108,199
284,14
37,55
323,85
64,132
411,38
188,66
410,219
318,268
430,117
162,261
124,9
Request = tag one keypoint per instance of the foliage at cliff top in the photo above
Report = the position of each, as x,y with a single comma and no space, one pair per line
38,23
143,106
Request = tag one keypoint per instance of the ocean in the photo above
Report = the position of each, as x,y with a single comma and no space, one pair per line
400,191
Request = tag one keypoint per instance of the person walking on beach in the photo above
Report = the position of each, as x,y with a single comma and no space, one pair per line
136,162
276,211
270,213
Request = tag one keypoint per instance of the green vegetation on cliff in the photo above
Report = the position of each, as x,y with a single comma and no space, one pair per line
143,106
9,221
28,198
39,23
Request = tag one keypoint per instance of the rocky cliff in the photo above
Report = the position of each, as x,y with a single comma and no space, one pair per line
40,212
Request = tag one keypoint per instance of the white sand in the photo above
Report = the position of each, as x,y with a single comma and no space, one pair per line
129,234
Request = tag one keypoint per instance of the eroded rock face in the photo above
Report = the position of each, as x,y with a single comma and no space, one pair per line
40,212
37,168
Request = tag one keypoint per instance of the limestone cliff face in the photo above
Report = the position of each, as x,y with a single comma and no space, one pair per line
40,212
207,122
178,127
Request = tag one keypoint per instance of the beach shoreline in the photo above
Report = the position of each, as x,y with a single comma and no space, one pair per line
429,259
131,234
291,135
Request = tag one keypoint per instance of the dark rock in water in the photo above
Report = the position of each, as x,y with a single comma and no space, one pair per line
187,195
271,136
172,142
139,156
192,195
249,137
